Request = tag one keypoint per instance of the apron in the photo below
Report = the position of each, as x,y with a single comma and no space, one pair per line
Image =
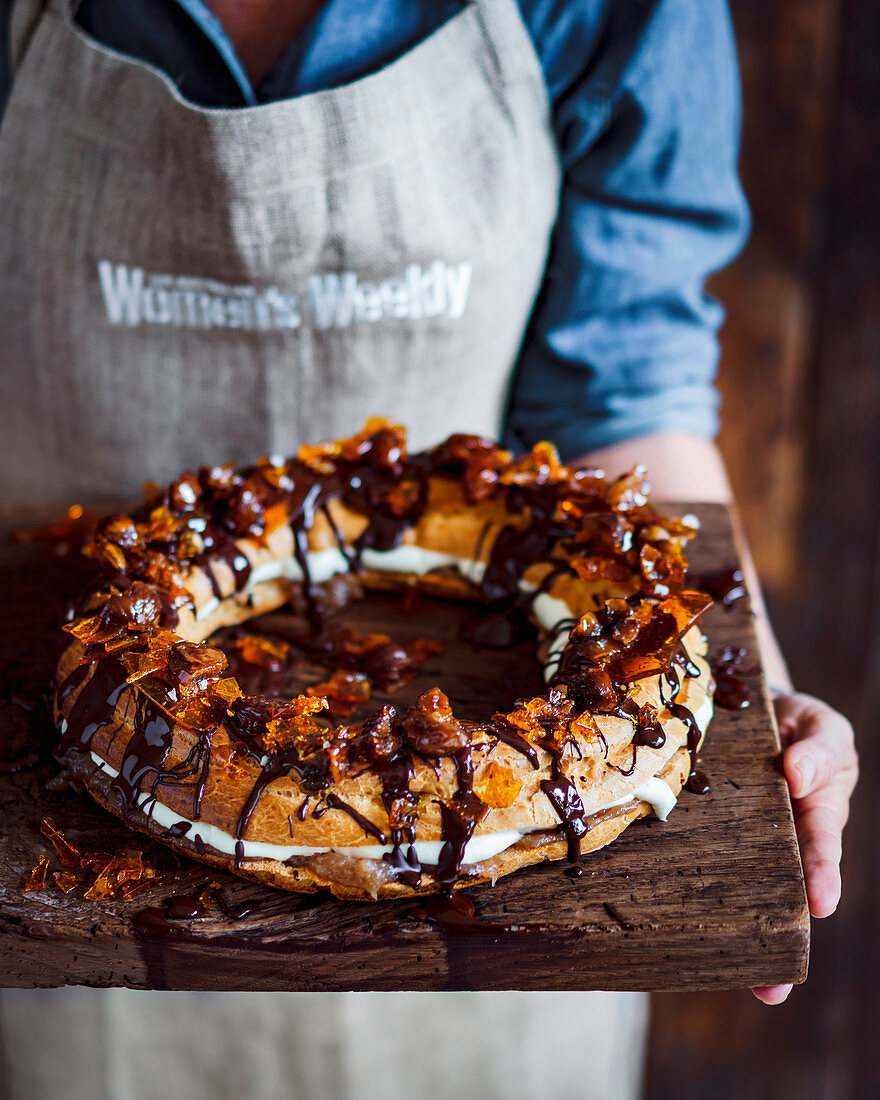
182,286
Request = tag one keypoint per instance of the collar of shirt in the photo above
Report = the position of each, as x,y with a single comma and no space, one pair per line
343,41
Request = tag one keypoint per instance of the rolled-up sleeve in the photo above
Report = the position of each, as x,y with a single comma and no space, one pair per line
624,339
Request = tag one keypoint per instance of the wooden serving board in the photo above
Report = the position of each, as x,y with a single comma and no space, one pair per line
713,898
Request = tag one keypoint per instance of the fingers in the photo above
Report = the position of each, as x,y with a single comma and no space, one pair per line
772,994
819,821
820,743
821,768
808,766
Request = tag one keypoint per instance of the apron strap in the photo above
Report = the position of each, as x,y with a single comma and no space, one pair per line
26,14
22,24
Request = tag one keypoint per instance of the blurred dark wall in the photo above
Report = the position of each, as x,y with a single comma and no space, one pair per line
801,385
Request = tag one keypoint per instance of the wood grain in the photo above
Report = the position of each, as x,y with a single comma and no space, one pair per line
712,899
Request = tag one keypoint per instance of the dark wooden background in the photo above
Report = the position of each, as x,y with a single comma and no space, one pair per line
801,383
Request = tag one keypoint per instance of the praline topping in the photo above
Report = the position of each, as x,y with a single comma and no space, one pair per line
576,522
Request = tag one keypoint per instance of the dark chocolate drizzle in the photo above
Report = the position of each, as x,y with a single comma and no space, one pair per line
507,733
566,801
378,479
145,753
95,704
697,781
457,828
336,803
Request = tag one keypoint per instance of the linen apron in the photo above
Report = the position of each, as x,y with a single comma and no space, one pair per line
181,286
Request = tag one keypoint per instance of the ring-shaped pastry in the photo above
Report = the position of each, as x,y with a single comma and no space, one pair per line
400,804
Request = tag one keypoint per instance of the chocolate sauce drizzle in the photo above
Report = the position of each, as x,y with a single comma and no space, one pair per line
336,803
457,828
145,752
373,475
566,801
95,704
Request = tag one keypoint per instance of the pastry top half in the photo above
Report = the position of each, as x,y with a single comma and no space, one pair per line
399,803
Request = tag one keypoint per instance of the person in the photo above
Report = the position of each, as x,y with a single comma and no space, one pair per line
231,227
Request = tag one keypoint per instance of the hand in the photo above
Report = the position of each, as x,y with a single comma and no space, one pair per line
821,767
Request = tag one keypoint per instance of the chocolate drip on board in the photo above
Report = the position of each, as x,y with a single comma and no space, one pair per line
725,586
731,687
453,911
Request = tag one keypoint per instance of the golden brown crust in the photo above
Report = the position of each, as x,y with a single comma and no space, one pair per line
368,879
598,775
602,763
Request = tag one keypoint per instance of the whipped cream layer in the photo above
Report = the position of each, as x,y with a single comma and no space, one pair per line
324,564
548,611
654,791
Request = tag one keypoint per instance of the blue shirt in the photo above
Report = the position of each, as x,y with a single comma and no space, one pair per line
646,108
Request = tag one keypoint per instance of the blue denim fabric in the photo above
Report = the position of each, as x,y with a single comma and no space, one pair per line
646,106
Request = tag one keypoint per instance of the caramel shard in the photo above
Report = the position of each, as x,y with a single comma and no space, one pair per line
276,516
601,567
537,467
430,727
629,491
262,652
63,537
355,644
543,718
498,787
229,760
37,879
318,457
134,887
225,691
67,855
122,873
344,689
65,881
96,861
294,724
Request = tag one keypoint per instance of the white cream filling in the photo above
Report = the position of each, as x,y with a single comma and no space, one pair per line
476,850
323,564
655,791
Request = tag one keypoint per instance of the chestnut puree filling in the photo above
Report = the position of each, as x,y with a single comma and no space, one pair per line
576,523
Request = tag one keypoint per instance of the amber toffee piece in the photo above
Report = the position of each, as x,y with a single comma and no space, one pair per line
294,792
